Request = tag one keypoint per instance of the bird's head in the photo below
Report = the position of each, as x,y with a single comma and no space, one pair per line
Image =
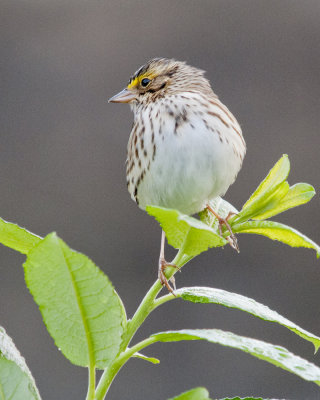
159,77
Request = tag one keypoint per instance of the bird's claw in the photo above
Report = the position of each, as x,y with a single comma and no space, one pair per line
232,240
163,264
232,237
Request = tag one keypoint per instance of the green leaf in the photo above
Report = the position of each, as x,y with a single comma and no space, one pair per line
19,239
186,232
153,360
275,181
234,300
193,394
16,381
272,201
80,308
277,231
275,355
278,174
245,398
202,394
297,195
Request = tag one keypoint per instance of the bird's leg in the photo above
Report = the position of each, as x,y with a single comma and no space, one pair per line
163,264
224,221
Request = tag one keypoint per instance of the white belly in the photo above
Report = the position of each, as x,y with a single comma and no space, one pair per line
191,166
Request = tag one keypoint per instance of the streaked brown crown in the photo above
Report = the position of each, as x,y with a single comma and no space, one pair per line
161,76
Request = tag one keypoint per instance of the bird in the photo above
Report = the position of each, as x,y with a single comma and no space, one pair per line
185,147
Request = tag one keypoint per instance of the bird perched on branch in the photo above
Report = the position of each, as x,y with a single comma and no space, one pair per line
185,147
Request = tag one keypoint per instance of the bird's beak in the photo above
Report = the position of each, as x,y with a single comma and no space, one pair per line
125,96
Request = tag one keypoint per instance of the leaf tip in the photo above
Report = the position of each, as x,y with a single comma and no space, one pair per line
154,211
53,235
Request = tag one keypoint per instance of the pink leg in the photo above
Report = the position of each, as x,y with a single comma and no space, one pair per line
224,221
163,264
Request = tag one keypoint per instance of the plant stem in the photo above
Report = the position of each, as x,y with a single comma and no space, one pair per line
92,382
147,305
141,314
110,373
163,299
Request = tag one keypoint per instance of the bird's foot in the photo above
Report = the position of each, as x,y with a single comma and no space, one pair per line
163,264
224,221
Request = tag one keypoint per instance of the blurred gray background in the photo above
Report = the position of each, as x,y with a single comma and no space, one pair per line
63,149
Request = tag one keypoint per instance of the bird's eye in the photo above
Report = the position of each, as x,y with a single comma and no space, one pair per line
145,82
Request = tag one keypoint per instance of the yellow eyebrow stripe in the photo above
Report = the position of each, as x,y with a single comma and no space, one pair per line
138,79
133,83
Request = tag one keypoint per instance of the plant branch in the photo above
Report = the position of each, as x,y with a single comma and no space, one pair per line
147,305
110,373
161,300
92,382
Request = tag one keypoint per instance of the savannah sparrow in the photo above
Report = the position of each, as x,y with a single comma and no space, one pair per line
185,147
